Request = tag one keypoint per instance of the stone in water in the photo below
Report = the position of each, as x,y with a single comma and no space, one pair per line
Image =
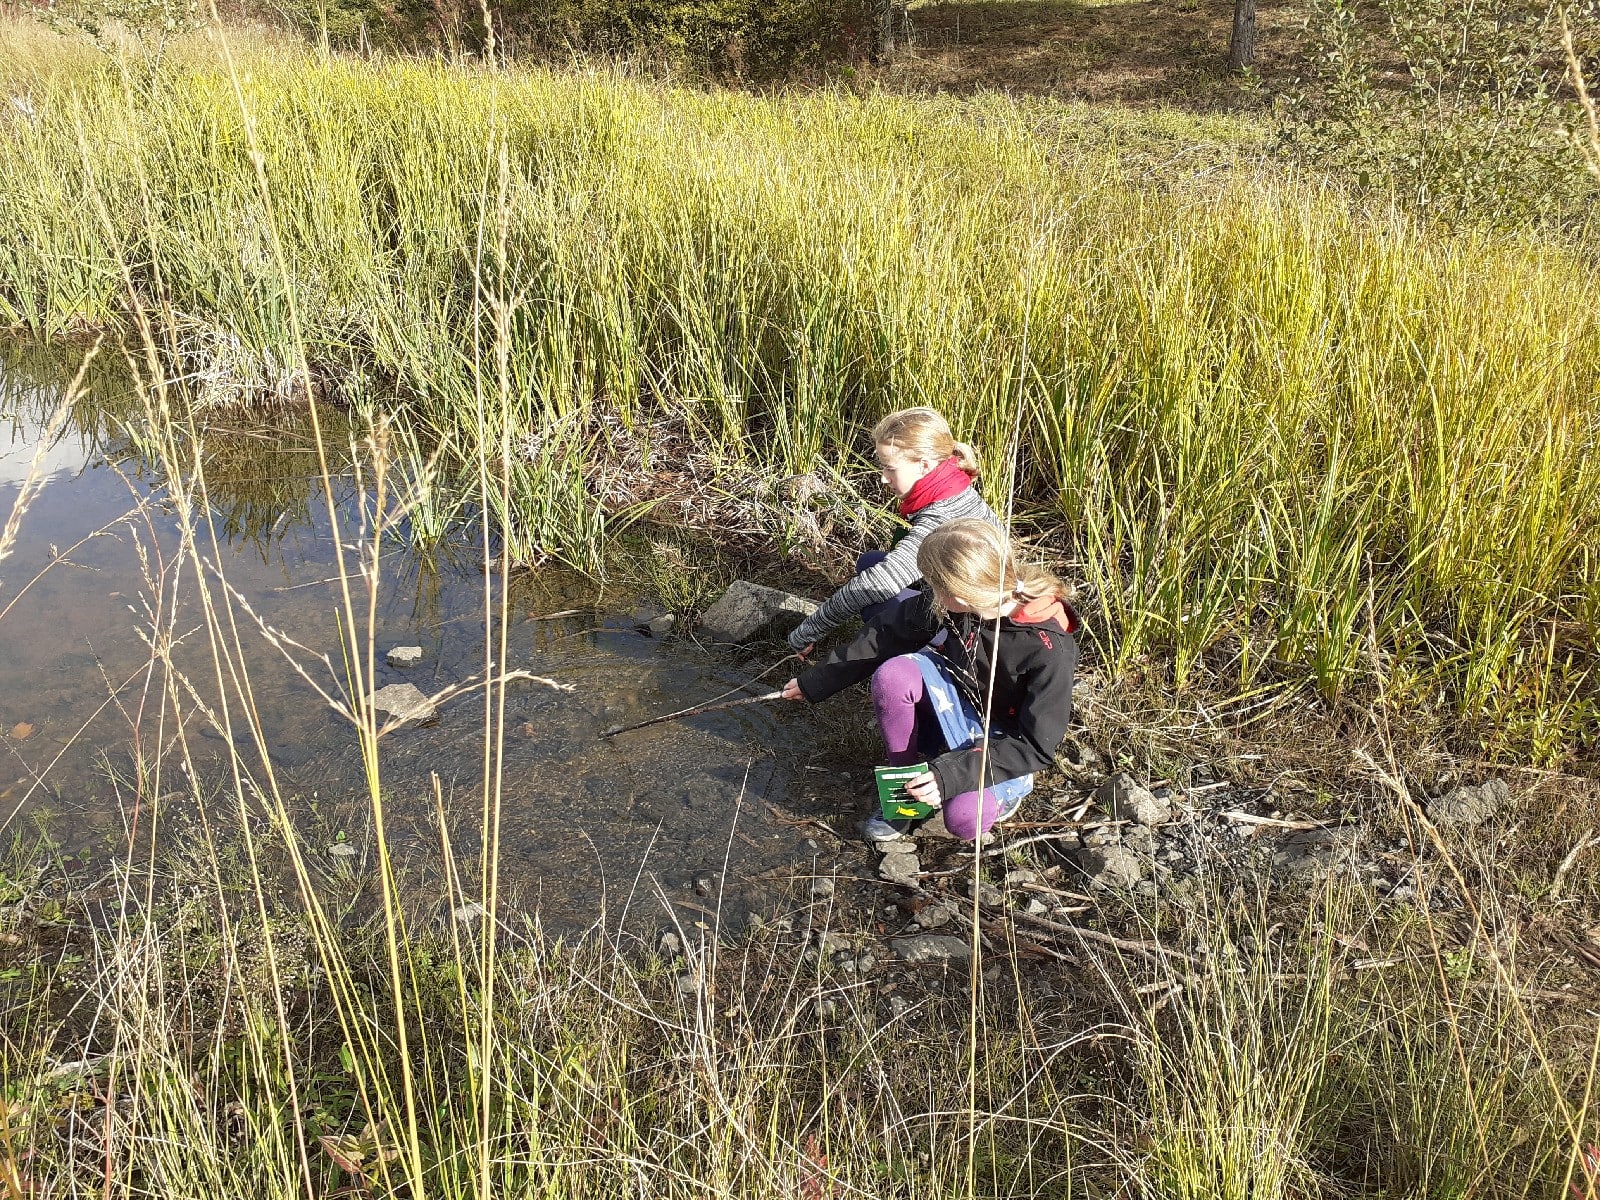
403,700
748,609
404,656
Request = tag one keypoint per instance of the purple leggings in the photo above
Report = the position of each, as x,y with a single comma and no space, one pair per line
897,698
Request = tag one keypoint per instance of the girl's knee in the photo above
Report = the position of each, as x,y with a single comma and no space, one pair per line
967,818
898,679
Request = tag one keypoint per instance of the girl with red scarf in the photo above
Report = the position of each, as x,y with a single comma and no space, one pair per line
932,475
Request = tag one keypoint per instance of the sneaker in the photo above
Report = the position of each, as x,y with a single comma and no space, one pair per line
1008,808
876,829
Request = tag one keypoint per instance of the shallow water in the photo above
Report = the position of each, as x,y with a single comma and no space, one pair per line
97,573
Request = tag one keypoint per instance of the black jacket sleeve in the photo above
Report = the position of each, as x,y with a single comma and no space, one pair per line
1026,742
909,627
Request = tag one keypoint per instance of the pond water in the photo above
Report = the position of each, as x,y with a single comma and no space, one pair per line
97,573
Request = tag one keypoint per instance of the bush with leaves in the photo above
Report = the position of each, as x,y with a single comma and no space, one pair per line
731,40
1464,113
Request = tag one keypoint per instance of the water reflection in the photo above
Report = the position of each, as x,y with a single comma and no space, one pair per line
109,665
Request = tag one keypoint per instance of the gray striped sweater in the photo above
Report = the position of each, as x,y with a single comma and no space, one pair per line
895,573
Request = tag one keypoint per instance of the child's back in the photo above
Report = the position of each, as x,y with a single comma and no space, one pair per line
933,476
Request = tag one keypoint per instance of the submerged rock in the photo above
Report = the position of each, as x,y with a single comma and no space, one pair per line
404,656
403,700
747,610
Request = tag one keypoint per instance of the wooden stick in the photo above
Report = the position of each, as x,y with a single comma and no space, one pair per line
691,712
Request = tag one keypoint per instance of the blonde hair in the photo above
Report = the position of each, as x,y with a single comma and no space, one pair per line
924,434
969,558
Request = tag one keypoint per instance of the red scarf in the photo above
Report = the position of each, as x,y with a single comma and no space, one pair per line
944,481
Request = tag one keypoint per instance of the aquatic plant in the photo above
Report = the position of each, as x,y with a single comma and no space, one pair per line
1280,442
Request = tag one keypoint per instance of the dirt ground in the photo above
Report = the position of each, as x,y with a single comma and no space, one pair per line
1143,52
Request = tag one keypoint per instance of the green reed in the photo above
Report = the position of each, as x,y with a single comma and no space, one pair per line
1282,441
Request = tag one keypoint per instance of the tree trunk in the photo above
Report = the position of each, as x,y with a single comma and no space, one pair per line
883,34
1242,49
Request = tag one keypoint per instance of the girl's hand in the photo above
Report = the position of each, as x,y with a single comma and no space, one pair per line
924,789
791,690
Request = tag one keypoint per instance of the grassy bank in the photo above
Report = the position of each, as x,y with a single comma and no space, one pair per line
1278,442
192,1028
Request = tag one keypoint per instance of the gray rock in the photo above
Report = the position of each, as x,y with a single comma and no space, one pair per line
1141,839
705,883
1110,866
932,947
1466,806
747,610
822,887
932,916
1124,799
1314,853
403,700
900,869
832,943
1103,835
404,656
669,944
469,913
899,1006
662,625
903,845
342,850
987,894
866,963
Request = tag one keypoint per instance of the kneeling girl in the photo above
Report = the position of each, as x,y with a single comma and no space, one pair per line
980,616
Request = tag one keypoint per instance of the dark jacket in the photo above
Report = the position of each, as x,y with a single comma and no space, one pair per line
1032,682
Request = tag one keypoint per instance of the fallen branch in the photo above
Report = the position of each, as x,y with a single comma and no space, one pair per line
1244,818
694,712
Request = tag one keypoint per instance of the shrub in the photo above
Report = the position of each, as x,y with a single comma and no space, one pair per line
1461,112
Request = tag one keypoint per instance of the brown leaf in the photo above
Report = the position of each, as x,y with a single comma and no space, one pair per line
21,730
345,1152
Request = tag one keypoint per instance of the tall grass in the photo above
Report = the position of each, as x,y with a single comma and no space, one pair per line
230,1012
1280,440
